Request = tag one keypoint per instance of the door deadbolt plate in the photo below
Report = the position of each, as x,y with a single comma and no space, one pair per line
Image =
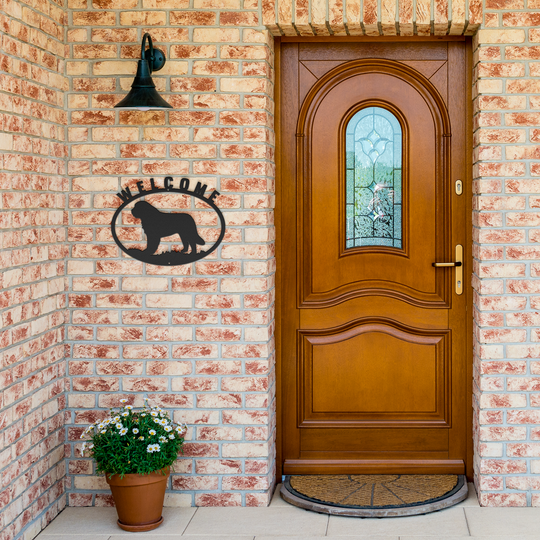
459,187
459,269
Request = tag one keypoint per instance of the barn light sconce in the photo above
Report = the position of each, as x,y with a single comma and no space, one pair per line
143,95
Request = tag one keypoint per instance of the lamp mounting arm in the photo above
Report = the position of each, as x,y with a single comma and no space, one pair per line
154,57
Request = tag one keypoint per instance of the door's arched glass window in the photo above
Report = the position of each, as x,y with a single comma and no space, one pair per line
373,195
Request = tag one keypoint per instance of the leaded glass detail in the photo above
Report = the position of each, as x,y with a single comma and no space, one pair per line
373,178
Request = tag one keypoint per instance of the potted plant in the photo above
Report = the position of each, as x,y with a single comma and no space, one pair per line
136,450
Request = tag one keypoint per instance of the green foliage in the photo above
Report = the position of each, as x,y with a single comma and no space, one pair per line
134,441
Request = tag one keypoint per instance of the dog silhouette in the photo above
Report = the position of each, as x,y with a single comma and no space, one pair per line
157,225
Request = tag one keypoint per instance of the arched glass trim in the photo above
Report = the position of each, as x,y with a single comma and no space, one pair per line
374,186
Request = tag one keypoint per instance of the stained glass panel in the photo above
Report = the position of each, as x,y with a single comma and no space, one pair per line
373,178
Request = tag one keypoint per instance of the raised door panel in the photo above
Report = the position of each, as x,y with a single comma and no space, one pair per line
403,270
374,373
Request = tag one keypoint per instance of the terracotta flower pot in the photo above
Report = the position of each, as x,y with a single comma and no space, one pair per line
139,499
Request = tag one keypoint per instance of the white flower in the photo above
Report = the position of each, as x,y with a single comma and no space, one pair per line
129,407
135,430
83,448
154,413
90,446
153,448
101,425
141,438
125,413
123,431
162,439
82,435
116,418
103,431
108,421
123,401
171,436
144,414
168,428
119,425
163,422
152,432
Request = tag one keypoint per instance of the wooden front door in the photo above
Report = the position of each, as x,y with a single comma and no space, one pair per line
374,338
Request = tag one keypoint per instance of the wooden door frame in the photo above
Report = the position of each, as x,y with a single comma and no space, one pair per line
468,193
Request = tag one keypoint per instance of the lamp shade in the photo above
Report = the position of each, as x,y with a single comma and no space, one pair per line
143,94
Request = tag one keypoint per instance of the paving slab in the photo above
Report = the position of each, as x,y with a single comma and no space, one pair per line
278,521
497,522
83,521
45,536
434,538
102,521
327,538
449,522
156,535
492,537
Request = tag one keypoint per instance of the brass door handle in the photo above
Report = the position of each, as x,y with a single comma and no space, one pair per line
438,265
458,264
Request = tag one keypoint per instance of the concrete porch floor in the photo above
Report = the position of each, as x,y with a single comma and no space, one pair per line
286,522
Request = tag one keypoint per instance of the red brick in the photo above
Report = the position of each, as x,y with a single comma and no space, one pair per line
521,19
219,434
192,18
214,367
218,499
218,466
193,51
195,384
193,84
95,384
119,368
141,384
523,417
96,351
499,466
245,483
503,499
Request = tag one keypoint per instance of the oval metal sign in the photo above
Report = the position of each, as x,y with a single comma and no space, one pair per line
157,224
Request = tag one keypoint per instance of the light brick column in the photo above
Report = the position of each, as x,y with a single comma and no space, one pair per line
32,265
506,252
371,17
196,339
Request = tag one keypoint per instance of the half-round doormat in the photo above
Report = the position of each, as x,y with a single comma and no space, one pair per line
375,495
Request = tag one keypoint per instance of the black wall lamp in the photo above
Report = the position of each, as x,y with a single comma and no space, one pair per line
143,94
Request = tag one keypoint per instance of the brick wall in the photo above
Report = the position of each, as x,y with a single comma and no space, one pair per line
507,253
32,261
196,339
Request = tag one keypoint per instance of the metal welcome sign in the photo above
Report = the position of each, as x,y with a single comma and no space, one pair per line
158,224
